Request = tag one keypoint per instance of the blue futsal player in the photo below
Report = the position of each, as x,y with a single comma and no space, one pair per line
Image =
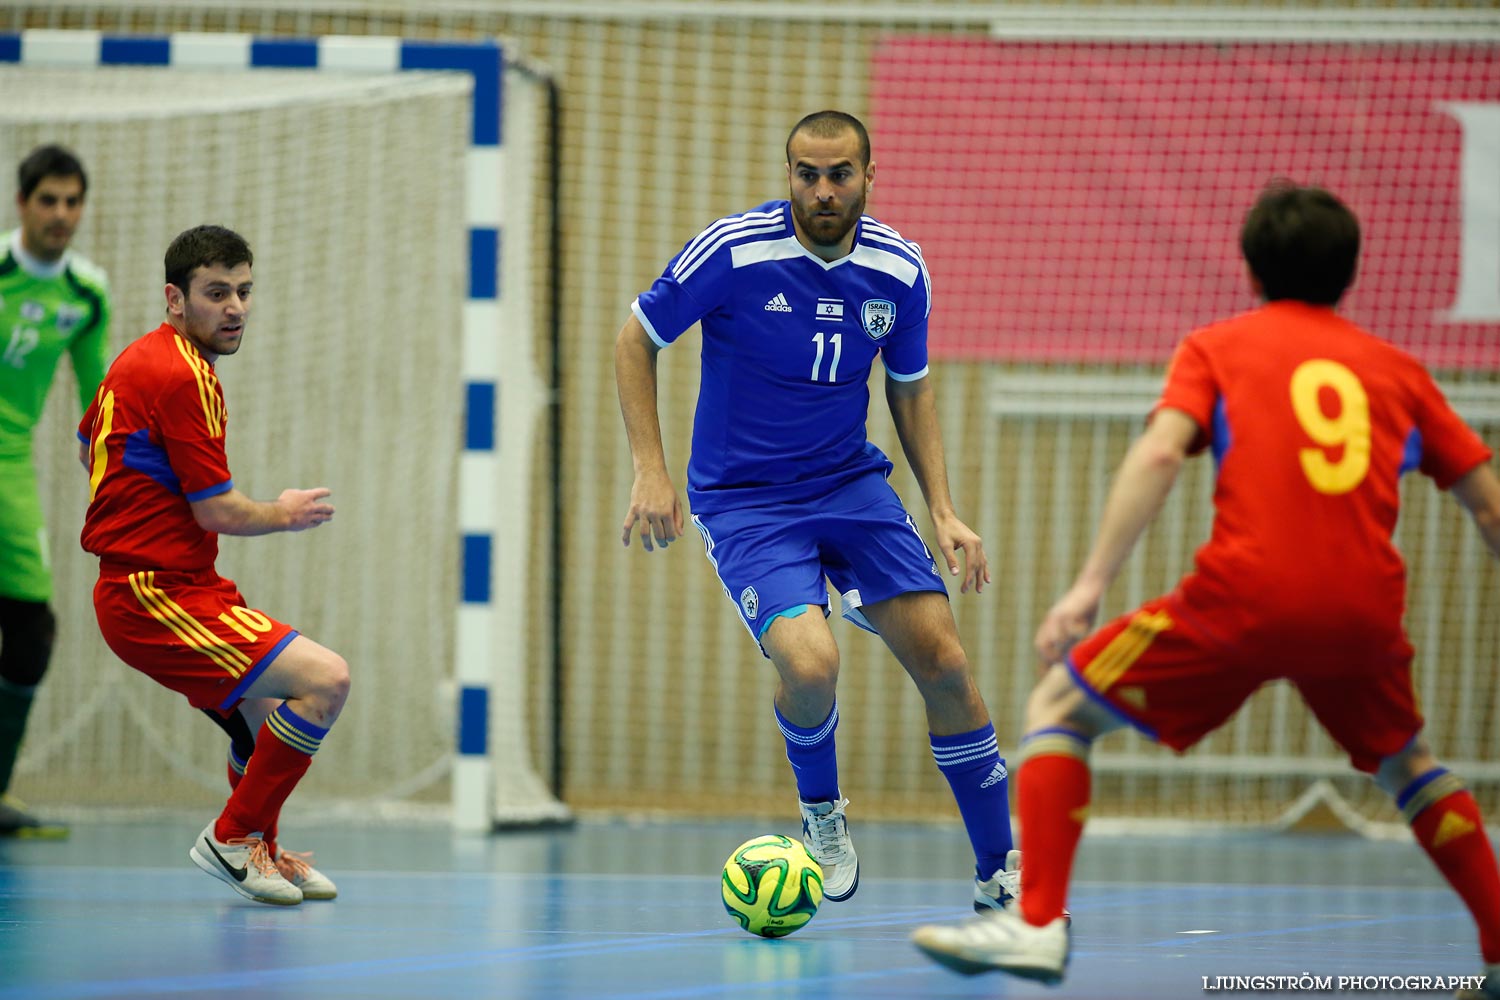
796,299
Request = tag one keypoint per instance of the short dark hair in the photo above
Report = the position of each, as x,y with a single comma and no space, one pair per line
204,246
830,125
1301,243
48,161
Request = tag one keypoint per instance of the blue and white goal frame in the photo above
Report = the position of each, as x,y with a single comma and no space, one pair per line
482,621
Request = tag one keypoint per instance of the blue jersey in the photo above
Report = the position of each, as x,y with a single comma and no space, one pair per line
788,340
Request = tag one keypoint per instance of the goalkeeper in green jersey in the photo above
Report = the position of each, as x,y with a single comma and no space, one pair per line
51,301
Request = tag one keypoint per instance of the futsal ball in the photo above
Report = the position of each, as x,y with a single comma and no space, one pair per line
772,886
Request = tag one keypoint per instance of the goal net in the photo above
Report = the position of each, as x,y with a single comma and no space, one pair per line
348,188
1078,200
1076,177
1098,189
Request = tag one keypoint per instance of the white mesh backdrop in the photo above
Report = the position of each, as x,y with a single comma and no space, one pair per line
349,191
665,704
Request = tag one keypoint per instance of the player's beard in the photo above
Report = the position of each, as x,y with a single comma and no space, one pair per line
824,230
205,332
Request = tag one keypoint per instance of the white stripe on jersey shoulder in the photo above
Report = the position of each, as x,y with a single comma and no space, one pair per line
872,225
682,274
761,251
716,228
705,243
876,231
894,264
889,237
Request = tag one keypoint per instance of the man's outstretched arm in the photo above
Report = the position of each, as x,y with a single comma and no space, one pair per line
1141,486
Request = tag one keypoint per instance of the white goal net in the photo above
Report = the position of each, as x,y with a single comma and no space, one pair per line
349,189
1095,167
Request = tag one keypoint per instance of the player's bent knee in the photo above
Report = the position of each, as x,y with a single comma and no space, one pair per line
1057,700
317,679
27,632
331,681
945,669
809,668
810,680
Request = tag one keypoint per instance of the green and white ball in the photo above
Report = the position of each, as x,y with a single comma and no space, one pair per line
771,886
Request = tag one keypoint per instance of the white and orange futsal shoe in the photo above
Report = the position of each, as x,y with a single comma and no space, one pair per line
245,865
296,867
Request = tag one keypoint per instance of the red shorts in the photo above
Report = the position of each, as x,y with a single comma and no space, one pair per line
1165,671
190,632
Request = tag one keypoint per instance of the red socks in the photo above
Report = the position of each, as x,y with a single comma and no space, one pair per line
283,752
236,775
1053,799
1450,828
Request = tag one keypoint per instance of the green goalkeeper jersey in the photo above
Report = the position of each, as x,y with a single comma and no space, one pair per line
46,309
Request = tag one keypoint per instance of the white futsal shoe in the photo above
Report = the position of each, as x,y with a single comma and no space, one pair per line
296,867
1002,888
998,941
245,865
825,834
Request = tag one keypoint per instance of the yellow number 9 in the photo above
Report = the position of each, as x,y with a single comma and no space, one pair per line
1350,429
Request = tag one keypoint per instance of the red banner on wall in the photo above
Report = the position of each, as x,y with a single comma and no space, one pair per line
1082,201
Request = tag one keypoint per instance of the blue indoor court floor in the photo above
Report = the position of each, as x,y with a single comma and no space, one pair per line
610,911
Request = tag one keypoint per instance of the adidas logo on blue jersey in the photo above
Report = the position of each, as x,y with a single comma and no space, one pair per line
779,304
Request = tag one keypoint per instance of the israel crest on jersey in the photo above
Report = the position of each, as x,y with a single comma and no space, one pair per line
750,601
878,316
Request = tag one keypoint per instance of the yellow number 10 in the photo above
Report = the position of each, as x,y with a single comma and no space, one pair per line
1350,429
247,616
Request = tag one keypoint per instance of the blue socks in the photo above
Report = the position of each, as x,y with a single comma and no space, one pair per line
971,763
812,756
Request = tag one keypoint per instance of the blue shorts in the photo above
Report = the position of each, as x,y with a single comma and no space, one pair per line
774,559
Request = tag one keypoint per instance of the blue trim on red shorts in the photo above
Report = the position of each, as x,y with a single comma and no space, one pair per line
1114,709
258,668
1060,731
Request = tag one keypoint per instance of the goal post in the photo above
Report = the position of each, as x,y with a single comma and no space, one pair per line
371,176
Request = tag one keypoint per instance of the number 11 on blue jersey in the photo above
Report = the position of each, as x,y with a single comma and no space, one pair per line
837,343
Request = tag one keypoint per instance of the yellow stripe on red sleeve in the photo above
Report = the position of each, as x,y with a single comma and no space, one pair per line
208,396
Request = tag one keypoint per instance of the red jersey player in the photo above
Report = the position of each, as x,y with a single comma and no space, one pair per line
1312,422
160,494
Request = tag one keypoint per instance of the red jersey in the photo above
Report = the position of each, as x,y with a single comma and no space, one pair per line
1313,421
155,435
